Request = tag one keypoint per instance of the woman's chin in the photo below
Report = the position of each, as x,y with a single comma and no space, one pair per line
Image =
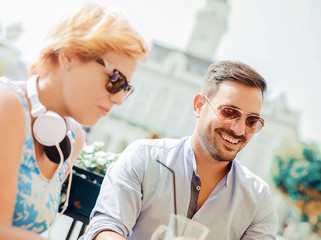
87,122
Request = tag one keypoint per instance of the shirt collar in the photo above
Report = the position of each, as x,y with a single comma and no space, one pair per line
189,154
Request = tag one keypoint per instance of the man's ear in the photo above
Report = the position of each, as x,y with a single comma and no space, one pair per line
65,59
199,102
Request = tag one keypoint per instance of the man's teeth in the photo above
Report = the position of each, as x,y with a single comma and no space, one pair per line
230,139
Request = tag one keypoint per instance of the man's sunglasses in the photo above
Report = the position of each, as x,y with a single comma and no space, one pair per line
117,81
231,115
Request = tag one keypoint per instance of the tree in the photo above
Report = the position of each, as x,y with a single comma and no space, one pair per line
297,174
10,64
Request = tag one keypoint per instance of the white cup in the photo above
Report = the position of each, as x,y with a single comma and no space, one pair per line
180,227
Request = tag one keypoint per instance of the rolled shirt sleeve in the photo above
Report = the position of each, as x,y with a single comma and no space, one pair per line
119,201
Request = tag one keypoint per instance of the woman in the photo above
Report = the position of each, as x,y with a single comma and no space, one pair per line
83,71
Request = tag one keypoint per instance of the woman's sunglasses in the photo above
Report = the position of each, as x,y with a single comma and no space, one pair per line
117,81
231,115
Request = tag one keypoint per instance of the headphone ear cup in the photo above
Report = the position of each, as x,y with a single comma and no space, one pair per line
53,154
49,128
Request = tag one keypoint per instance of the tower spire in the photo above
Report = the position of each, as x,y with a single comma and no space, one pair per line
208,30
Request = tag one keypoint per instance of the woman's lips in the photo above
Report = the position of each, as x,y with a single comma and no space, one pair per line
104,110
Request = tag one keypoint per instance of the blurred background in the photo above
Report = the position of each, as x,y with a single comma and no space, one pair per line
279,38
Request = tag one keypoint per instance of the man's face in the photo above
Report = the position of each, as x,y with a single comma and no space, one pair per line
222,142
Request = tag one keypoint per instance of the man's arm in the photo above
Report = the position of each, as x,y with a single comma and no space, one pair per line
265,223
120,198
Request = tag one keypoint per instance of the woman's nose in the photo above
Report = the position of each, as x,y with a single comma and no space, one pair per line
117,98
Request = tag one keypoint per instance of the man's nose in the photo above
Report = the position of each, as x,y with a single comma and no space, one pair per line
239,128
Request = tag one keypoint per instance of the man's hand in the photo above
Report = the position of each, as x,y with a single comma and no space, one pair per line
108,235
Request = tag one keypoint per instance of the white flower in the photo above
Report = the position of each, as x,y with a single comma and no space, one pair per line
111,156
101,160
100,154
95,158
98,144
89,149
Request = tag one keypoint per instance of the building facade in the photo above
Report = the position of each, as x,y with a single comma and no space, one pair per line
162,103
165,86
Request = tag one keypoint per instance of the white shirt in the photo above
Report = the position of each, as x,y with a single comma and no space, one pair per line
137,195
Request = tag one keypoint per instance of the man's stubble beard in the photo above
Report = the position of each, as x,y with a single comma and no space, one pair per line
215,147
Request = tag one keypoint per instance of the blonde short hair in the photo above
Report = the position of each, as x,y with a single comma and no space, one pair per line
89,33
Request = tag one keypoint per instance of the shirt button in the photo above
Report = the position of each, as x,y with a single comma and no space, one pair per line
198,188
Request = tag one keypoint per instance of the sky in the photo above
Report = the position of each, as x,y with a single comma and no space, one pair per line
281,39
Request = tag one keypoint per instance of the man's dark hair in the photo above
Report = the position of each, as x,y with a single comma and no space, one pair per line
233,71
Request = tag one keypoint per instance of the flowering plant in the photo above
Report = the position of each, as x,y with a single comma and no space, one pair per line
94,158
296,173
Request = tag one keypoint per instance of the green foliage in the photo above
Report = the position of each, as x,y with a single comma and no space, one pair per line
9,54
94,158
297,174
11,33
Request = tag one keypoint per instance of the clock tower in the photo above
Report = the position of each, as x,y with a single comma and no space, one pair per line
208,30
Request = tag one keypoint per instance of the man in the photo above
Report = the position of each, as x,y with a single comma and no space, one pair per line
212,187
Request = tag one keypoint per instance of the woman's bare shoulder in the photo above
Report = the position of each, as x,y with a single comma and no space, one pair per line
11,109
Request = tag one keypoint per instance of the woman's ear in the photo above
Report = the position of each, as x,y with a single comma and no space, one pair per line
198,105
65,59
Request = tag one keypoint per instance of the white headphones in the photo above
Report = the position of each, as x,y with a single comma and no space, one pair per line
53,132
49,128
